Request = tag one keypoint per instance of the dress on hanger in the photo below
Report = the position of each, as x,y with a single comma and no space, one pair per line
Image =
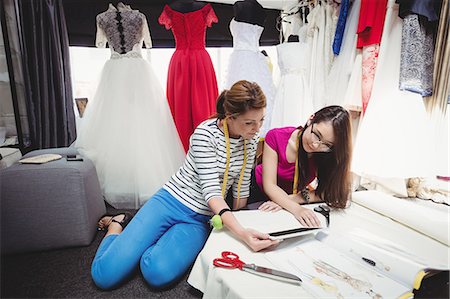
293,101
370,29
191,81
344,65
316,42
393,138
246,62
127,129
418,41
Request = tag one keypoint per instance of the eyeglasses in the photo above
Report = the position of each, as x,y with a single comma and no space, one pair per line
317,141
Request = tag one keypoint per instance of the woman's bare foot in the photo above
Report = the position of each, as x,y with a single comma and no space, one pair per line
106,221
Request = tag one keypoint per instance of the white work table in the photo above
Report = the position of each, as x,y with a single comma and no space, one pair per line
232,283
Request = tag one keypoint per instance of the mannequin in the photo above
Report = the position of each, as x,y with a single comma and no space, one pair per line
246,62
191,79
185,6
249,11
127,93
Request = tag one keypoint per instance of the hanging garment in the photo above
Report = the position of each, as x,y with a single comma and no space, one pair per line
246,62
370,29
191,81
369,66
127,129
340,26
290,22
331,19
392,141
339,77
316,43
293,101
417,59
371,21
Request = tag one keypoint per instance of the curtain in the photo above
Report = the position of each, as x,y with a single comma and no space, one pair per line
44,47
438,102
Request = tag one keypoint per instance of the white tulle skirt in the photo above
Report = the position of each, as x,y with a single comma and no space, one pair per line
128,132
252,66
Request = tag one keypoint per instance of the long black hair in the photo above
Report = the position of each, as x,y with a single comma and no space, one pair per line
333,168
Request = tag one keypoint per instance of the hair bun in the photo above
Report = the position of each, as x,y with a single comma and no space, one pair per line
220,109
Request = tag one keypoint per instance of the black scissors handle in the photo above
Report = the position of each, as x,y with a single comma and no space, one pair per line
325,211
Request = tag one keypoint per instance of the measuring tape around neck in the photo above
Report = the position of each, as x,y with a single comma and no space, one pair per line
297,146
227,166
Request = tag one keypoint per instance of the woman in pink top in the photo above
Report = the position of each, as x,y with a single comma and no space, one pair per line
321,149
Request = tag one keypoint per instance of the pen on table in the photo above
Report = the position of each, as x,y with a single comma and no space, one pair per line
369,261
374,264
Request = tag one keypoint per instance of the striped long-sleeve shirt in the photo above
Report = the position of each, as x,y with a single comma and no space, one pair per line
200,177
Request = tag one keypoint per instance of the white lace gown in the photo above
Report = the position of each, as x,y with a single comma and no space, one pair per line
293,101
127,129
246,62
393,138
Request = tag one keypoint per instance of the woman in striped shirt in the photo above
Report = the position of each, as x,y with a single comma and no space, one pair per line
169,231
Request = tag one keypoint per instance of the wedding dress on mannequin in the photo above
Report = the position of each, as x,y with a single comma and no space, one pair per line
127,129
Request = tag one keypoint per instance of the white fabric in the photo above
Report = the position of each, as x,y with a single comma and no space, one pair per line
293,101
393,137
290,22
341,70
353,95
429,218
231,283
128,132
316,42
246,62
331,19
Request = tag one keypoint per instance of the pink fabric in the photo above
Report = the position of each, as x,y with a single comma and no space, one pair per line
278,139
369,66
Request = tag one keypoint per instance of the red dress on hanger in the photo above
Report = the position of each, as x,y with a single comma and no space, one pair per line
191,81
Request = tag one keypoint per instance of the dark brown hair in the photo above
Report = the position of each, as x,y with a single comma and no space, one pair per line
333,168
240,98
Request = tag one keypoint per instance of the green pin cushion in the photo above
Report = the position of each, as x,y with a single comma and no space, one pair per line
216,222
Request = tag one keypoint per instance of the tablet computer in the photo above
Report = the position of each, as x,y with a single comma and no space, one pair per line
295,232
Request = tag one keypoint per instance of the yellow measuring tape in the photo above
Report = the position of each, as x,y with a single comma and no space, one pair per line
297,144
227,166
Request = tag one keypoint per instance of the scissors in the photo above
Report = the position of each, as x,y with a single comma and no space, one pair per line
231,260
325,211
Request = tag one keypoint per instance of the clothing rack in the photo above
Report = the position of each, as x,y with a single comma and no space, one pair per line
269,4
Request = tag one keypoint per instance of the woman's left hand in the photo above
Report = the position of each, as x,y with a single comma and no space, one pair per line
256,240
269,206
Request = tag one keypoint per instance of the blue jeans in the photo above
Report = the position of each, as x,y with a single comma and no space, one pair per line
165,237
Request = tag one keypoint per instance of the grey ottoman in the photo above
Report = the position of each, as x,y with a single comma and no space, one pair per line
51,205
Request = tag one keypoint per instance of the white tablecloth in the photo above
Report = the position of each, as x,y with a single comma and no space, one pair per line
232,283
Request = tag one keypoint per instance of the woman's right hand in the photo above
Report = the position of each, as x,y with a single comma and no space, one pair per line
269,206
256,240
307,217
